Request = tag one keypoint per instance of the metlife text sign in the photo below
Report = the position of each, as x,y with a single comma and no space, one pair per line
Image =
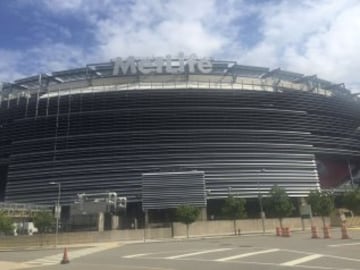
161,65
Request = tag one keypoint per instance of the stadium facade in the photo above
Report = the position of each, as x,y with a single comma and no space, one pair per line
133,126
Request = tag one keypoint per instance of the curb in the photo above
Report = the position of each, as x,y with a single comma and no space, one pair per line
141,241
60,247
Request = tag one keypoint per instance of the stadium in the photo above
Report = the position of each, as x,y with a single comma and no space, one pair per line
169,130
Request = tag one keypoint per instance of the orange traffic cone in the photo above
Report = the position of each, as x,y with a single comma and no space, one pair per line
65,258
326,232
314,234
278,231
344,234
286,232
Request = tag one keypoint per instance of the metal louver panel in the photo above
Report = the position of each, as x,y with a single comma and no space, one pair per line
171,189
100,142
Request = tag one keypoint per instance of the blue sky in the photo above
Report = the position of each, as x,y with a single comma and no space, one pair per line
312,36
24,25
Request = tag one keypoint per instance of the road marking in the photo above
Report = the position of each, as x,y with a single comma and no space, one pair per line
55,259
268,264
246,255
348,244
49,260
197,253
276,265
136,255
343,258
302,260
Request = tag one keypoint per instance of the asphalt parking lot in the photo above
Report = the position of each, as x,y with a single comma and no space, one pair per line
242,252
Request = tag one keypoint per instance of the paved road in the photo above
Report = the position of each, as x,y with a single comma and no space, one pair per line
244,252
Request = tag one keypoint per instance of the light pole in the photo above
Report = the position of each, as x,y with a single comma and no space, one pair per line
57,210
229,191
262,213
356,130
350,174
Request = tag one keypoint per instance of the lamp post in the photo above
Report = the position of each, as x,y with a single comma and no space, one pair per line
356,130
350,174
229,191
262,213
57,210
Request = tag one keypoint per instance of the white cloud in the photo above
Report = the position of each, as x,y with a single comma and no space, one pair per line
335,51
153,29
188,37
63,5
312,36
315,37
8,65
45,58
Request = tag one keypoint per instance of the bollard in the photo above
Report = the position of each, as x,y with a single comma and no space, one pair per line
326,232
286,232
278,231
314,234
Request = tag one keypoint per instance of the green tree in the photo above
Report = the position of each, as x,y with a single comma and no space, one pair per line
322,203
351,200
6,224
43,221
187,214
279,204
234,208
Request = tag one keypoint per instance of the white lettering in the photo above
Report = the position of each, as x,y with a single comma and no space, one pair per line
191,63
204,66
181,63
168,67
124,65
160,65
145,66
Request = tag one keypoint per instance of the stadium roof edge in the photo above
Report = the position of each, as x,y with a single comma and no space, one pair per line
220,67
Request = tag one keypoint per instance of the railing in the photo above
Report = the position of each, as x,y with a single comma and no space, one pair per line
111,84
199,82
22,209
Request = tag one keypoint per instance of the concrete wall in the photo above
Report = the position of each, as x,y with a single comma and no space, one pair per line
226,227
178,230
353,221
83,237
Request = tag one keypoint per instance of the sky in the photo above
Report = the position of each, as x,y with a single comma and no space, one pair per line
311,36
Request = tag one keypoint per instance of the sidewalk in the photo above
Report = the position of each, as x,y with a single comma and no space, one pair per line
134,241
